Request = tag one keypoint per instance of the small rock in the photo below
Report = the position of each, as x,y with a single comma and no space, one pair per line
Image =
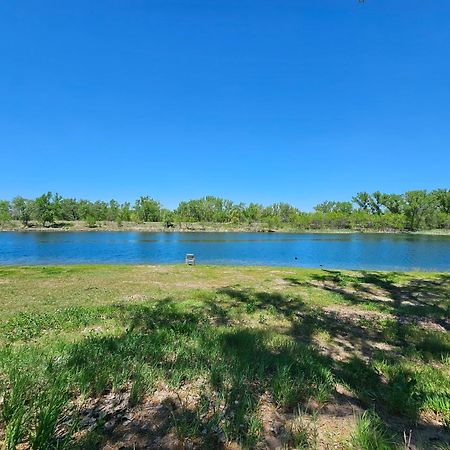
88,420
110,425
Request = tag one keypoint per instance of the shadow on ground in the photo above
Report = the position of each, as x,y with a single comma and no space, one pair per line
234,370
219,378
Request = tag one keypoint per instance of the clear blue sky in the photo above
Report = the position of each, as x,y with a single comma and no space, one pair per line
300,101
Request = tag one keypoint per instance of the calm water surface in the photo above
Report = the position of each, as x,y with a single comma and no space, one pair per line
348,251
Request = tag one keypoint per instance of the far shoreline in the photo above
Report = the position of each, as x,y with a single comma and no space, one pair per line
186,227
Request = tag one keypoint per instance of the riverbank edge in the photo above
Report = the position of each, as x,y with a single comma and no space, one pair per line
259,269
80,226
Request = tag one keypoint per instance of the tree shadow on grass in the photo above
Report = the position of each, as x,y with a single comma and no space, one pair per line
354,327
419,307
426,298
402,393
264,301
239,366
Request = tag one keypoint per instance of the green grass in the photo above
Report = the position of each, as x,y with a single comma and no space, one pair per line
370,434
223,344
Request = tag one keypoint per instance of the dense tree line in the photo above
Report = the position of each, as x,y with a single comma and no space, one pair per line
413,210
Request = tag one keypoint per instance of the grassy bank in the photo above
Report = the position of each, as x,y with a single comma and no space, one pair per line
194,227
223,357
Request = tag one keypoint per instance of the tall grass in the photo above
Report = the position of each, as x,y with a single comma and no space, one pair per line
49,406
370,434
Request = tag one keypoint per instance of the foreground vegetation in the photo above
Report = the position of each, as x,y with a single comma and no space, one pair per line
411,211
221,357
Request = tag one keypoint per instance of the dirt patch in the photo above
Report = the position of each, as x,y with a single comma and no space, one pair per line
280,282
273,423
334,432
355,313
427,324
145,426
134,298
427,433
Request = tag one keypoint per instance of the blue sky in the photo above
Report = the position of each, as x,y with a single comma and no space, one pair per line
298,101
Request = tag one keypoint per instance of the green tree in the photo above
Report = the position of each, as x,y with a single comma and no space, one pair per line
253,212
5,214
236,214
168,217
125,212
442,197
99,210
113,210
22,209
325,207
44,211
334,207
418,206
206,209
376,203
394,203
362,199
413,210
343,208
148,209
56,206
85,209
283,211
188,211
69,209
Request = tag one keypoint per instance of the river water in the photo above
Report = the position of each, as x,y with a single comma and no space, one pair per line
346,251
